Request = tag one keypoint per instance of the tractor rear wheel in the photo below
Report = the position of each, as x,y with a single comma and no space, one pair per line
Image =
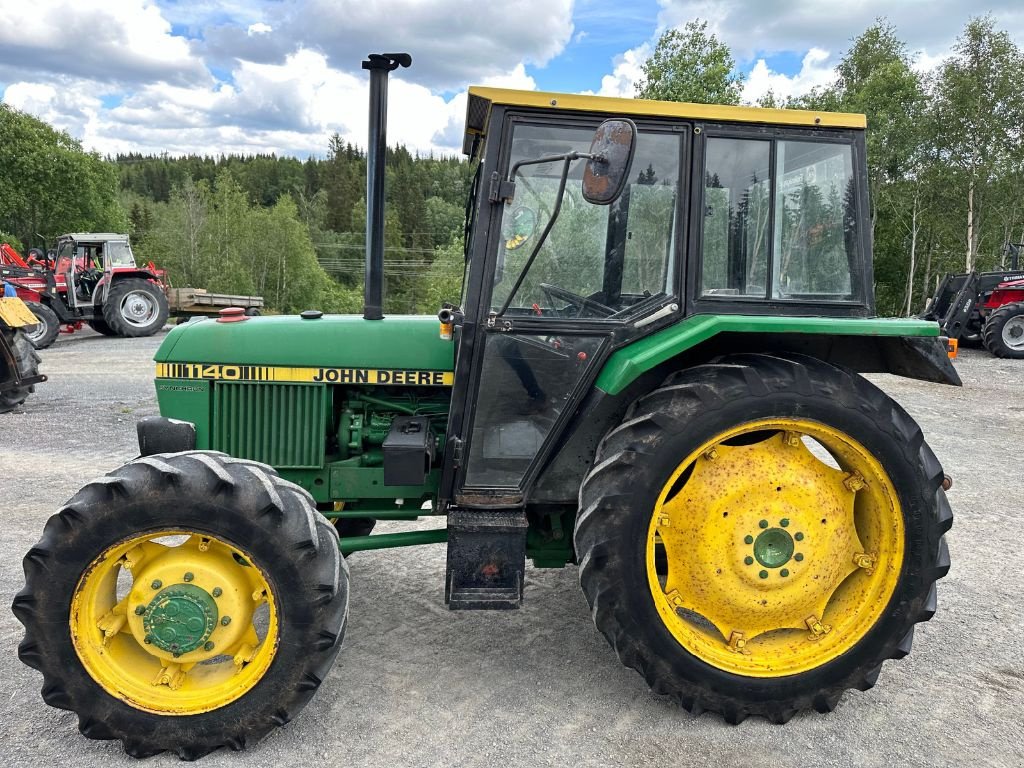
100,326
45,332
760,534
135,307
1004,331
28,365
184,602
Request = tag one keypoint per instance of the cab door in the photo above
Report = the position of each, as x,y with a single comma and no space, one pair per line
537,332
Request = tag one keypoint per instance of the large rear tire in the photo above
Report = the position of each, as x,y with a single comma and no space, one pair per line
46,331
1004,331
100,326
760,534
184,602
26,359
135,307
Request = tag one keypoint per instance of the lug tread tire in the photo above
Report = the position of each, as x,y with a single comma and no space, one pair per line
992,333
617,498
112,307
48,319
28,365
243,502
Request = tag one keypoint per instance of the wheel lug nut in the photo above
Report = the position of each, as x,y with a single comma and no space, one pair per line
784,522
188,576
799,537
763,574
156,584
798,557
763,524
784,572
217,591
208,646
748,539
139,610
225,621
147,639
748,560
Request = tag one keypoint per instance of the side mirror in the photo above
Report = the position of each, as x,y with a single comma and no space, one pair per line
611,158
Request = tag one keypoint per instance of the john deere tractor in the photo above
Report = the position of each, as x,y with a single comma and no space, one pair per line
653,375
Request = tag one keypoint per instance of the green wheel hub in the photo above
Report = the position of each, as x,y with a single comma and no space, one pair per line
180,618
773,548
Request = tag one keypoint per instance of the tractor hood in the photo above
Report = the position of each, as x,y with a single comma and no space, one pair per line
336,341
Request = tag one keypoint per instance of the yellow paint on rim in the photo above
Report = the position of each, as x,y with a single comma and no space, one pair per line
110,637
783,543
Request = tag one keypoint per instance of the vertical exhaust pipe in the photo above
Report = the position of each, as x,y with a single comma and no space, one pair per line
379,64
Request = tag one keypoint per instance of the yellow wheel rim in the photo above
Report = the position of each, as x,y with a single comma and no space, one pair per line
174,622
775,547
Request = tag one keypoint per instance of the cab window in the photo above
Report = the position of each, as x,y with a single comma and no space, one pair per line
597,261
782,227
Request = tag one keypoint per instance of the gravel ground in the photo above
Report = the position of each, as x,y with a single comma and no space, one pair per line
418,685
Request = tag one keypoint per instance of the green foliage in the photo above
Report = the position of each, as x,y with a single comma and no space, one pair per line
49,185
691,64
12,241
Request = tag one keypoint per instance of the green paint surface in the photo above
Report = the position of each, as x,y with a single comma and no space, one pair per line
180,618
333,341
187,400
628,363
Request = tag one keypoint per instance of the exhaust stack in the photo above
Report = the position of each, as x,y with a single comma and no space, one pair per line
379,64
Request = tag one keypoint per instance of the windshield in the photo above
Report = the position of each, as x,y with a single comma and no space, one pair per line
119,254
597,261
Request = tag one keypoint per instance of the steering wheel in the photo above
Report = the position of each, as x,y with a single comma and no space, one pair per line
555,292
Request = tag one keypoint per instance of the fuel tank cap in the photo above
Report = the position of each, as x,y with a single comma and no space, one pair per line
311,314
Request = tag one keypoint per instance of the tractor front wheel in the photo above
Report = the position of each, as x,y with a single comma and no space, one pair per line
184,602
45,332
135,307
1004,331
760,534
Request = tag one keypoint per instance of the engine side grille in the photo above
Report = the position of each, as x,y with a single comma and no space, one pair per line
278,424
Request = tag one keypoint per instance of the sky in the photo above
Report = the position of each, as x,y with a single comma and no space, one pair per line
282,76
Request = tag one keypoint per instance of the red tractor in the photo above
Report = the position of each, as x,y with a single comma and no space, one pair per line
986,307
92,278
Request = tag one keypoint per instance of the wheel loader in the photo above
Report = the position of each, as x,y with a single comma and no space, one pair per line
654,375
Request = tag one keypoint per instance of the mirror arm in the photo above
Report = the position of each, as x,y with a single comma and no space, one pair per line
567,160
570,156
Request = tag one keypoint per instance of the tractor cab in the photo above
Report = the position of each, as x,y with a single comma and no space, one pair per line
731,213
87,263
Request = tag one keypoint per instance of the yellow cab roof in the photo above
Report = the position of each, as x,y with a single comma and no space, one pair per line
481,99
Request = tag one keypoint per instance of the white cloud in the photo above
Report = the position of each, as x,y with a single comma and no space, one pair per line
289,108
129,41
259,28
627,69
453,42
816,70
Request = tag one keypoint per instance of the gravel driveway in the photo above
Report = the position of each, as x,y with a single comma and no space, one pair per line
417,685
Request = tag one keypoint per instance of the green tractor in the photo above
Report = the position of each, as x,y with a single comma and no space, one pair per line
653,373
